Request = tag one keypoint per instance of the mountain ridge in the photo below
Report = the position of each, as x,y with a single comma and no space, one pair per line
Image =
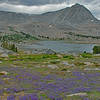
76,19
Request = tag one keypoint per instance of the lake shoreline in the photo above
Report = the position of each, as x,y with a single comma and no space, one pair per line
57,46
67,41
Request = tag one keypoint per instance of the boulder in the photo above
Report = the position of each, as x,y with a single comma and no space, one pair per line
49,51
46,51
3,73
52,66
59,55
88,63
78,94
67,64
0,62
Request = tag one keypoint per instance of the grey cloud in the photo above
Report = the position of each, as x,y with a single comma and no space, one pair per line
33,2
31,9
41,6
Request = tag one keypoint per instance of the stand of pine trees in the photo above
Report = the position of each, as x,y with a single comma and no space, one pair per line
9,46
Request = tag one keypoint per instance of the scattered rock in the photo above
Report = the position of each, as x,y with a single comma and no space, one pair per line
67,64
42,51
49,51
28,52
88,63
78,94
0,62
68,71
3,73
52,66
72,65
4,55
92,69
96,54
60,56
82,73
6,79
1,51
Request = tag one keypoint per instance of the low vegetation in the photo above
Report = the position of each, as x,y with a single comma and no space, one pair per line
86,55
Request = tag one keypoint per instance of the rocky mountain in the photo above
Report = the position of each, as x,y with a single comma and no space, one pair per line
70,23
77,14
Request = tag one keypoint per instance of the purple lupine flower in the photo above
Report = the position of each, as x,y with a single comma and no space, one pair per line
86,98
11,97
33,96
23,98
1,91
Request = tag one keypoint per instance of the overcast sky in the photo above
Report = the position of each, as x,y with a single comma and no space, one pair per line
41,6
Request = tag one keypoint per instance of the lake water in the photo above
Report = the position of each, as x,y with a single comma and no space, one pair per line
61,46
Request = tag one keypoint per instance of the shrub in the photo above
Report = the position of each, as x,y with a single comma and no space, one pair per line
96,49
9,46
54,62
68,56
86,55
